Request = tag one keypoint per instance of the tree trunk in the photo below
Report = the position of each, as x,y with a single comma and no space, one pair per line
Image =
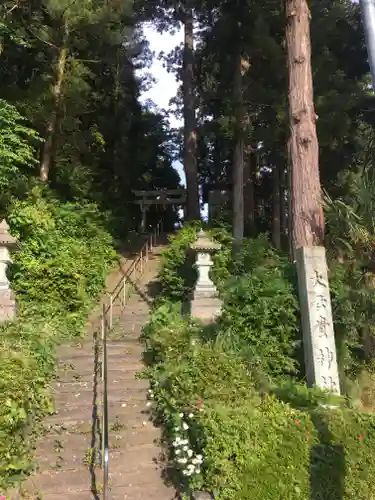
308,223
238,158
283,207
57,92
290,202
249,196
190,138
276,206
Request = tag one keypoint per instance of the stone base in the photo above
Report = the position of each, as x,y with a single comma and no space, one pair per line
207,309
8,306
205,294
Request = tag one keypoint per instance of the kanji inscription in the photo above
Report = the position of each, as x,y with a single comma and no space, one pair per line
317,323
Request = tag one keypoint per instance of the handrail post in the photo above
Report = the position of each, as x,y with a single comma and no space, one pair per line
124,292
110,312
105,454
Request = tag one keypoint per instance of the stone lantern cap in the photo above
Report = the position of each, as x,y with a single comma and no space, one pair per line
203,242
6,239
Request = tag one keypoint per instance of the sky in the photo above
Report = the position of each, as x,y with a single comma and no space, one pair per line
166,86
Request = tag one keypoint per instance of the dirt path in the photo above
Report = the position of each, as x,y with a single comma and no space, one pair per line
68,452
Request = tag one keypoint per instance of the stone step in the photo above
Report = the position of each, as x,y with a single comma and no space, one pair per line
115,375
73,362
160,492
134,442
135,434
87,373
65,402
77,420
72,451
79,479
131,383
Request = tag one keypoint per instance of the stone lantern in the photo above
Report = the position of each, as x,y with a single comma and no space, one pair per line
7,300
205,304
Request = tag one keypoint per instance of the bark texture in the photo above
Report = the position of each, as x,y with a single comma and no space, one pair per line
308,219
238,157
249,194
276,207
48,152
190,138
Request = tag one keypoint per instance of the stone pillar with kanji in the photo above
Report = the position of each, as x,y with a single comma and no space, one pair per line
317,320
7,299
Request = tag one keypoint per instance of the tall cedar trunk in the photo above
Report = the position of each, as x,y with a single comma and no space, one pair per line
291,243
248,194
308,218
283,208
276,206
190,138
238,157
57,91
116,124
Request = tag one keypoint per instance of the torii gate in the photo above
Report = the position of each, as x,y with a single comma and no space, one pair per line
159,198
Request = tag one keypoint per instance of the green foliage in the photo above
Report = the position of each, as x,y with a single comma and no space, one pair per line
226,437
229,433
58,240
17,142
177,274
59,271
260,319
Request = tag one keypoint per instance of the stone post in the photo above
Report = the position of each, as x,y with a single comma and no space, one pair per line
142,228
317,321
205,304
7,300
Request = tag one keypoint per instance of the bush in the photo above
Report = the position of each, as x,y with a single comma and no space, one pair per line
17,157
226,437
58,274
260,319
177,275
228,434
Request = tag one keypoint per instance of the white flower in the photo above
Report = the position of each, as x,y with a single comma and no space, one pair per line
182,460
191,415
198,471
181,415
185,472
194,461
190,453
148,403
185,426
185,448
177,429
199,458
177,442
191,467
193,342
184,441
177,452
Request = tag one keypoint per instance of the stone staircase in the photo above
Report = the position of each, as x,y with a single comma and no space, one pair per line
68,453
